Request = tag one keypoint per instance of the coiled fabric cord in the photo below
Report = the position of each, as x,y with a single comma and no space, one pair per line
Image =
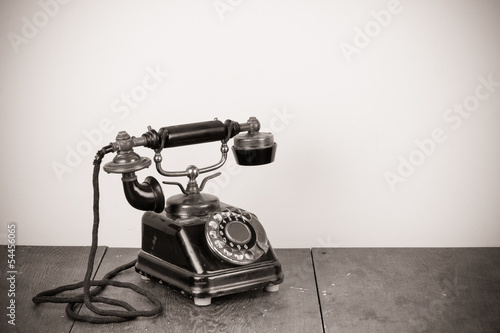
91,296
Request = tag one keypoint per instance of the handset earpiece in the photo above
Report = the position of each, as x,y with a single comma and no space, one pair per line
254,148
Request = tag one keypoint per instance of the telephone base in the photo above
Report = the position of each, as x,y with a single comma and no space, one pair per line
174,253
203,287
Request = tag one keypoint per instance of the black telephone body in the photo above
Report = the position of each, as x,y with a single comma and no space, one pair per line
193,242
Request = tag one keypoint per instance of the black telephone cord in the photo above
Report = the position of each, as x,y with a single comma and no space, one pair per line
91,296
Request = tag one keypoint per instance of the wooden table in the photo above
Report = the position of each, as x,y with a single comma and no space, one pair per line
325,290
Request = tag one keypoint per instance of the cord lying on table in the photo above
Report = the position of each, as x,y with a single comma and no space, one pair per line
91,296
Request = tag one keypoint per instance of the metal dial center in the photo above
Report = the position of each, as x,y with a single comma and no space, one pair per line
238,233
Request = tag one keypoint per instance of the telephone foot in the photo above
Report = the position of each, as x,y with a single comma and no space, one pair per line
272,288
202,301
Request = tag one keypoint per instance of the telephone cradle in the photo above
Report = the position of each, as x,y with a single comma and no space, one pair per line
192,242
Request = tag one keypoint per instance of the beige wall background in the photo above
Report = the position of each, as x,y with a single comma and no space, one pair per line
386,114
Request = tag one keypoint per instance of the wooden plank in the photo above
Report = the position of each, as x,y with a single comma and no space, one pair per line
38,269
294,308
409,290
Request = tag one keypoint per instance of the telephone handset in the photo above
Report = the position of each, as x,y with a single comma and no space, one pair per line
192,242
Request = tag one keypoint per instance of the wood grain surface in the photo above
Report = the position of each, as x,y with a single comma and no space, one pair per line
294,308
409,290
39,269
335,290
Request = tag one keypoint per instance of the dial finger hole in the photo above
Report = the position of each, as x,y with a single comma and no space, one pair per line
249,255
238,255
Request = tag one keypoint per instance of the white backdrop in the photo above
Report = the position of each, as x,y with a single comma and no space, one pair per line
386,114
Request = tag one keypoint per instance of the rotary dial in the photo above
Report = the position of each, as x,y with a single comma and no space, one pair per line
236,236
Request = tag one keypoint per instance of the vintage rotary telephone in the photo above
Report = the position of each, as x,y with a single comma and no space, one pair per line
192,242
